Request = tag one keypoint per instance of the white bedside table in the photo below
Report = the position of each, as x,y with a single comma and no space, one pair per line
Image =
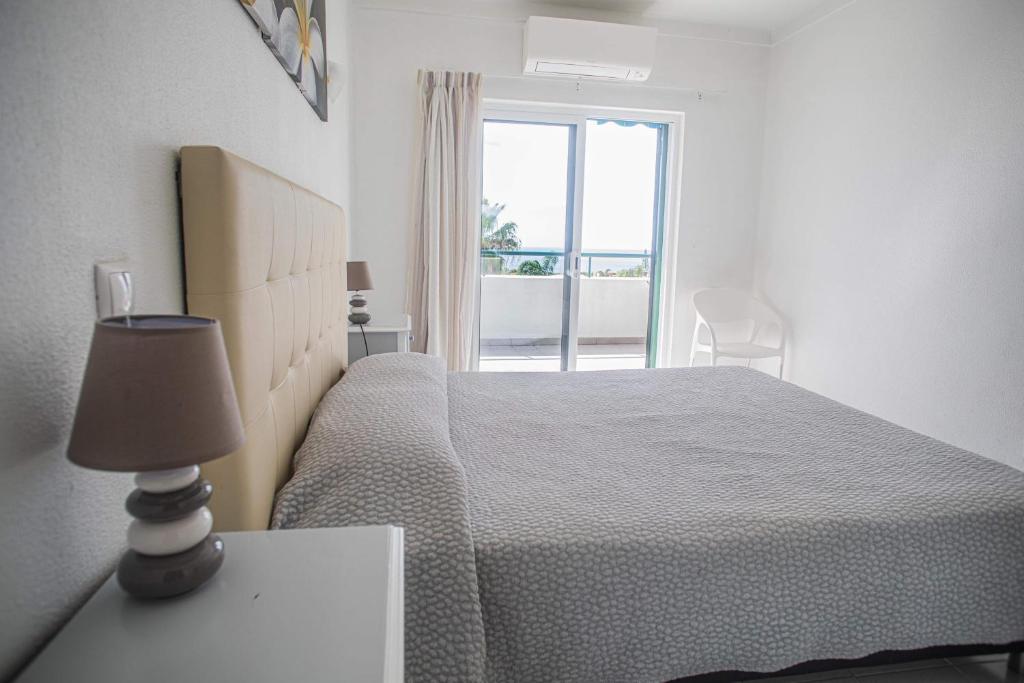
381,337
297,605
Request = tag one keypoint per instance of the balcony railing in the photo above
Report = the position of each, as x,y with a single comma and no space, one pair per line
506,260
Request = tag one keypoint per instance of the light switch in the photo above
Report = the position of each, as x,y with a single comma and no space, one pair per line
115,292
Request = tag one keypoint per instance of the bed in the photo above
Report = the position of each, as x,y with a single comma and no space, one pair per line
643,525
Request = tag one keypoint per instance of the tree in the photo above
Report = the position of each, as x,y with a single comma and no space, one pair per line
495,237
531,267
636,271
535,267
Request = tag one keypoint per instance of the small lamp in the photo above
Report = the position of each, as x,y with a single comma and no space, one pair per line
358,280
157,398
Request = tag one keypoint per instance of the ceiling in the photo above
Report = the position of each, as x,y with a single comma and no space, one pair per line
762,15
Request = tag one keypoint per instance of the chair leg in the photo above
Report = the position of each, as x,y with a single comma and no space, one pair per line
694,344
1013,663
782,360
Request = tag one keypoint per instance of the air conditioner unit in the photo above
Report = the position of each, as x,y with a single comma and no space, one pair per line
571,48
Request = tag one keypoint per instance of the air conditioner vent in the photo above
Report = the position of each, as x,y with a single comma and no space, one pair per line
570,48
582,70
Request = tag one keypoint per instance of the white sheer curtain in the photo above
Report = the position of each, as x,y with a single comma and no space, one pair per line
445,252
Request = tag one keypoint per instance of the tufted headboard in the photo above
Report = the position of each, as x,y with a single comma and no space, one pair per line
266,258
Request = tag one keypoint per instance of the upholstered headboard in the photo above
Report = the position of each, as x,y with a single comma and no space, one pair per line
266,258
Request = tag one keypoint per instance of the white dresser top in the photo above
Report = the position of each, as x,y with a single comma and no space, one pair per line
298,605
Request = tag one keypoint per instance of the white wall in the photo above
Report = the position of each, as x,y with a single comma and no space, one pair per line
723,145
520,307
529,307
95,100
892,221
613,307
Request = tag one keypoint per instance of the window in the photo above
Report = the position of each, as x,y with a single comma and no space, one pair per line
572,234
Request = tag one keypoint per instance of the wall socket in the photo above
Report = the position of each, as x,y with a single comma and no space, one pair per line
115,289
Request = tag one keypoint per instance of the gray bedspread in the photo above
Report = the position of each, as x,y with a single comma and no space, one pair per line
648,525
378,452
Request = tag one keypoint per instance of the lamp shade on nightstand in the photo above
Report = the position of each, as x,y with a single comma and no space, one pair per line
157,395
157,398
358,273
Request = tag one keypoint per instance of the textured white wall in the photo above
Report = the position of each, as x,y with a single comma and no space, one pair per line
95,100
892,222
722,149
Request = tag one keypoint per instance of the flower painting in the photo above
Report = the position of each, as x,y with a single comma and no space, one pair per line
294,30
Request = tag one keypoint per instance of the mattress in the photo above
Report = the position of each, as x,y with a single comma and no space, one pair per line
646,525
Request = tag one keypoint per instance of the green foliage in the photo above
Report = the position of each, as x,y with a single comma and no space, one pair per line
493,236
531,267
641,270
635,271
535,267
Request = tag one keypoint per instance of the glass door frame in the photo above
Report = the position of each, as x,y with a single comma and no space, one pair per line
573,228
662,278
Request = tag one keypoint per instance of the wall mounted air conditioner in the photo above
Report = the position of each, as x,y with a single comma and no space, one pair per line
588,49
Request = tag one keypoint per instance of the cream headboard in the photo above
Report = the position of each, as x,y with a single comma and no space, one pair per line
266,258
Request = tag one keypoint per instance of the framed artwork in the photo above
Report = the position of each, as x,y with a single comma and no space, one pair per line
295,31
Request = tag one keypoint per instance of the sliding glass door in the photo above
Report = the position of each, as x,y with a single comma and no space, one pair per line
571,230
526,229
620,244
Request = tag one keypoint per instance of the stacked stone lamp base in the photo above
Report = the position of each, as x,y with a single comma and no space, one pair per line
359,314
171,548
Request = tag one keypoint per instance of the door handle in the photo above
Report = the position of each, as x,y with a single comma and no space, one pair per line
574,261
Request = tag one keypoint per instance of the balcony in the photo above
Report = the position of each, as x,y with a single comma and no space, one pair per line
521,313
547,357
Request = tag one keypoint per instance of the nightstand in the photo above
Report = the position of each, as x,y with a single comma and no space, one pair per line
296,605
381,337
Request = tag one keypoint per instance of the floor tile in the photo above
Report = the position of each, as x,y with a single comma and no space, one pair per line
997,657
611,350
865,672
609,362
945,674
928,671
988,672
547,357
498,352
837,675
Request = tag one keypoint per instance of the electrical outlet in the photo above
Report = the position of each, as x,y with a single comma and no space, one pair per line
115,290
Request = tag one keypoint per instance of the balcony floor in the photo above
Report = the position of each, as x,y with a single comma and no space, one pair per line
546,358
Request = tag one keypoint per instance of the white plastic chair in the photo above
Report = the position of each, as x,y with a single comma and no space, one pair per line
735,320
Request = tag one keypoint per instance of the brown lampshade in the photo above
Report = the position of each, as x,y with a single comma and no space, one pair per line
157,394
359,276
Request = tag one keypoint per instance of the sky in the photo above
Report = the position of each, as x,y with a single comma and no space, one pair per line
525,168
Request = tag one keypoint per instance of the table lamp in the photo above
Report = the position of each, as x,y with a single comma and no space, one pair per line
358,279
157,399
